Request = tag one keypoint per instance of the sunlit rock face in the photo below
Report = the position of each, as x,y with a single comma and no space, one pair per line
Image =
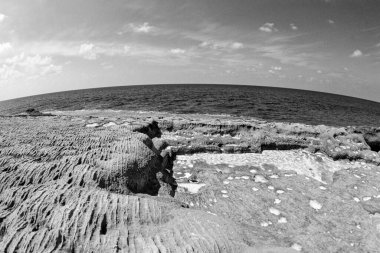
68,187
40,151
94,181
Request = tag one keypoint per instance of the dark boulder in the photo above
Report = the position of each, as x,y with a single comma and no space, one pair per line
35,113
373,140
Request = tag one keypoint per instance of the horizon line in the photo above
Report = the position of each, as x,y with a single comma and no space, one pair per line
217,84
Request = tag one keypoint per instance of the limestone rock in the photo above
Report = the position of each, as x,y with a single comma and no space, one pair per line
185,183
67,187
57,217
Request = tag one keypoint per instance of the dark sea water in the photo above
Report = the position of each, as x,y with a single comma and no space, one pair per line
273,104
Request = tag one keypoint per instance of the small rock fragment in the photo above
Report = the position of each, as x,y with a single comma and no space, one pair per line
315,204
260,179
367,198
296,247
109,124
274,211
192,188
92,125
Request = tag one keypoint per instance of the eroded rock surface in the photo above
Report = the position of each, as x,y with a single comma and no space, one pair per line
106,181
67,187
287,198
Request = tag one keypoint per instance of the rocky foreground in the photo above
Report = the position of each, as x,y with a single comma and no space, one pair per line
106,181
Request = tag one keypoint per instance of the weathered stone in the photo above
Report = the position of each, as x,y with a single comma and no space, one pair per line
184,183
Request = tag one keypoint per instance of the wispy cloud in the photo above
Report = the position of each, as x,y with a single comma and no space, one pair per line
283,54
370,29
330,21
237,45
2,17
268,27
357,53
212,44
97,50
31,66
177,51
107,65
282,47
127,49
276,68
141,28
287,51
293,27
204,46
5,47
88,51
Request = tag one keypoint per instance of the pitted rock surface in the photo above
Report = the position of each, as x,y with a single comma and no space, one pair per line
107,181
67,187
282,196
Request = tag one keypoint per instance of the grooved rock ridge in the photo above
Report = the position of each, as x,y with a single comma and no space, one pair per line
65,187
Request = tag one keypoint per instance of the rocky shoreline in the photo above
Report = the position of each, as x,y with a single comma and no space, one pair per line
119,181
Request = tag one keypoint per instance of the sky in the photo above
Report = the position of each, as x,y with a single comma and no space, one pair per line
322,45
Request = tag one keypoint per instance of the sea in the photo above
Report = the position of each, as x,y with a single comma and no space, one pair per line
266,103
